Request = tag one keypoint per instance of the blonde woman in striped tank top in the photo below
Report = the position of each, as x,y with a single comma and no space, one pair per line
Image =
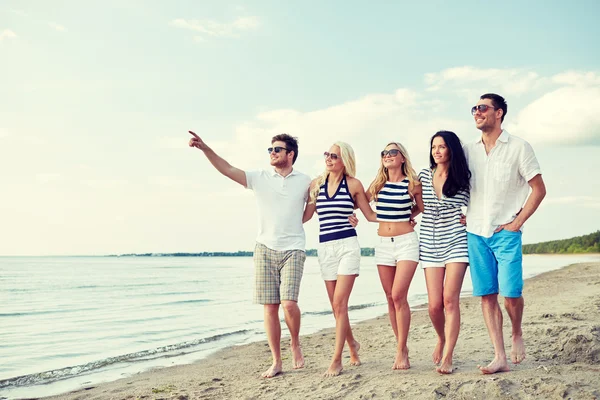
396,191
333,196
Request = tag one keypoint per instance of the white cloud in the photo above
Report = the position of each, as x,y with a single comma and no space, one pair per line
208,28
7,34
577,78
48,177
171,181
57,27
506,81
579,201
105,183
367,123
19,12
567,115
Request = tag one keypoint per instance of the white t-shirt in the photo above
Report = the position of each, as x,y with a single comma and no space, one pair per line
499,182
281,201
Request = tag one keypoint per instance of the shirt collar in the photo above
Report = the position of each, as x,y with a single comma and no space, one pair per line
504,135
274,173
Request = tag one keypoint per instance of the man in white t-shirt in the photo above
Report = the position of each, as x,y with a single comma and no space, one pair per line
503,168
281,194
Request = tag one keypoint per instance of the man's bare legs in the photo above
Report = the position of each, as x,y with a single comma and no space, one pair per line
492,314
273,330
291,312
514,307
339,302
353,345
405,271
455,274
434,277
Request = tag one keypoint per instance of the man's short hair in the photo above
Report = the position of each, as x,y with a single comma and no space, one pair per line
498,102
291,143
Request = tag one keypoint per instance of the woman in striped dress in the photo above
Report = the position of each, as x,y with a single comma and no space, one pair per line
443,240
333,196
397,193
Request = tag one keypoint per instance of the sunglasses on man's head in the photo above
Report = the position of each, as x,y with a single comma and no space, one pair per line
391,153
275,149
333,156
481,108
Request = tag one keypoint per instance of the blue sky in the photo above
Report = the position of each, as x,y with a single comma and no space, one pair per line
96,99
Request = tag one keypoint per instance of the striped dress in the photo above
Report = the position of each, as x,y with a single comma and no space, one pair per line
442,236
334,211
394,202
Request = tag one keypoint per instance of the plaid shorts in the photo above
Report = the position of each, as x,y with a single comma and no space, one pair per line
277,274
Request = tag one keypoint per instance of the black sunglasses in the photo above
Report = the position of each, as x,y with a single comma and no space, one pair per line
276,149
333,156
391,153
481,108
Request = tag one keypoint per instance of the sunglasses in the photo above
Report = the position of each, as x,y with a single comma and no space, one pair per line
481,108
276,149
391,153
333,156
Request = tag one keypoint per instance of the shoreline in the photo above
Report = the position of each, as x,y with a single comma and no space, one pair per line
561,330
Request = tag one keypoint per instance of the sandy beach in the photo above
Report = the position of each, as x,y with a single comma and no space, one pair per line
561,329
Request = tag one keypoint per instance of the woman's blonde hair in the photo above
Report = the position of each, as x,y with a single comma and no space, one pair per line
383,176
347,155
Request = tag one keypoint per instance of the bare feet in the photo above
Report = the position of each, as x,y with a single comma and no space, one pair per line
401,361
273,371
517,353
438,351
334,369
354,348
446,367
297,357
499,364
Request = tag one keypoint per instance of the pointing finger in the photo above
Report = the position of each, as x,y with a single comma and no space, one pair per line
196,136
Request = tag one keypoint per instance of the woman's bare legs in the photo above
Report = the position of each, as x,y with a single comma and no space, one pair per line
405,270
434,277
339,294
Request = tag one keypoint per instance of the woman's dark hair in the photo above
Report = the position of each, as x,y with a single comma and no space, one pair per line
458,169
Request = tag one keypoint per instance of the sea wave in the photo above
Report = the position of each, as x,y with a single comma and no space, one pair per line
144,355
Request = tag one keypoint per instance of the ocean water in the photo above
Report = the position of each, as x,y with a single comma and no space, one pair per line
69,322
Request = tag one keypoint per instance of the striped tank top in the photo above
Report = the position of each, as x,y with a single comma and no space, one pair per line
334,211
394,202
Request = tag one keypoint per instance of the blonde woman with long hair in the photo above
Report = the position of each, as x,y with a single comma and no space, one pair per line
396,191
333,196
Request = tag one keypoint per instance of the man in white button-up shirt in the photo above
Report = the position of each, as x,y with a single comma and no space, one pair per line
281,194
503,168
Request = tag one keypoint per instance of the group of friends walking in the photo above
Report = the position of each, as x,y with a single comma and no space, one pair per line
497,178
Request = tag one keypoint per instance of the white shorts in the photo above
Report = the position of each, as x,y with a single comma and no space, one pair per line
442,264
339,257
390,250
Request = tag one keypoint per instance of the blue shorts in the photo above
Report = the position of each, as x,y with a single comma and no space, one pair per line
496,264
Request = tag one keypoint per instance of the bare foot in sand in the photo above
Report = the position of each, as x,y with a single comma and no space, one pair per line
497,365
438,351
401,361
354,359
446,367
517,353
297,357
273,371
334,369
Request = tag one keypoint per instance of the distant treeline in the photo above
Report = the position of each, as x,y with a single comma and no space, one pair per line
365,252
580,244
